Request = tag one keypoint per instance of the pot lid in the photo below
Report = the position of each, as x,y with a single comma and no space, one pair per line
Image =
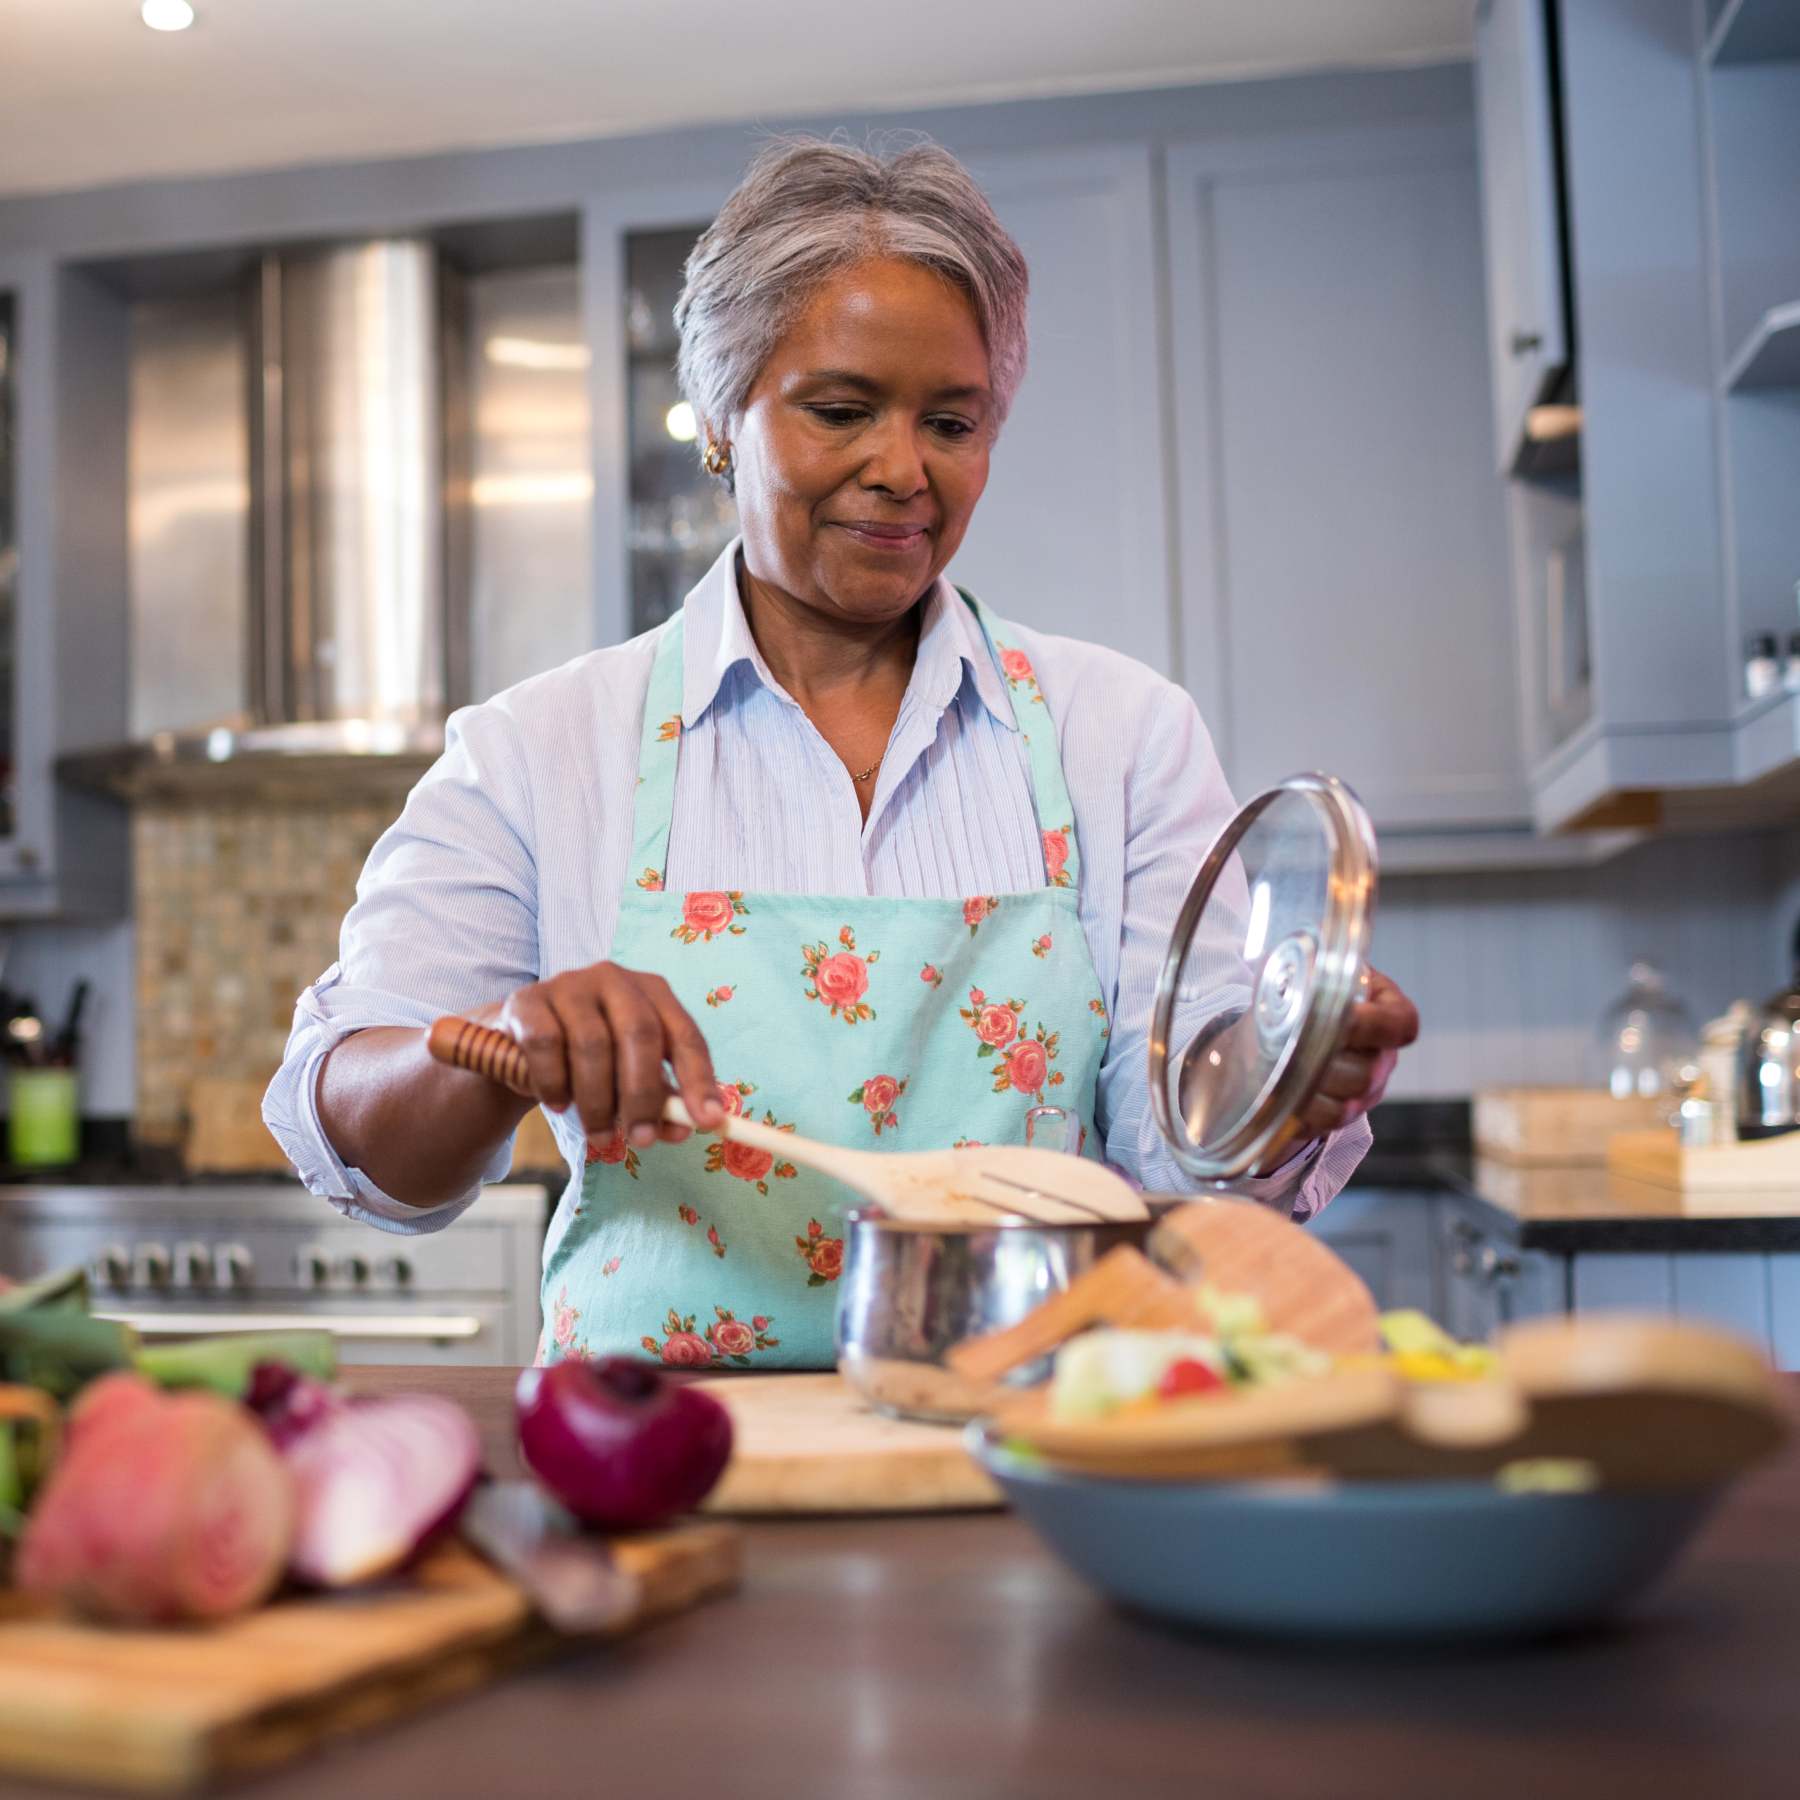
1268,957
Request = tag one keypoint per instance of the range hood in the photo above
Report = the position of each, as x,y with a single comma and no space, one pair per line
357,626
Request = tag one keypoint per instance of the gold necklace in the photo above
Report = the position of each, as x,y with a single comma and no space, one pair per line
870,770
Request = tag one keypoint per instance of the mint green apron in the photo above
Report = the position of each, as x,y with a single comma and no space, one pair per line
864,1021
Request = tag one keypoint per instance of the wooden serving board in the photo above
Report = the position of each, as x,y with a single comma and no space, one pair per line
172,1709
1556,1125
1759,1178
809,1444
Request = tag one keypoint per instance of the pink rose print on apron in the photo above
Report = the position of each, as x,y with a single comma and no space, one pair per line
1024,1064
977,909
823,1256
1015,665
707,916
748,1162
727,1339
615,1151
1056,855
839,979
876,1097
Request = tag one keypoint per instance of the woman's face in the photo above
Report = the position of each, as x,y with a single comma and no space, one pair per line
863,445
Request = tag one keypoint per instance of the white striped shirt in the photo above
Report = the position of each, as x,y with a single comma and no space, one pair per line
507,863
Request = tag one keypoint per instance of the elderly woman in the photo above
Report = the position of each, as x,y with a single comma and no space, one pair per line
835,847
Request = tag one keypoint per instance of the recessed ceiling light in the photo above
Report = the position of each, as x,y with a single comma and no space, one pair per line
167,15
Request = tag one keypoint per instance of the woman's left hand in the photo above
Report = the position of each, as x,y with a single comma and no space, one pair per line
1380,1028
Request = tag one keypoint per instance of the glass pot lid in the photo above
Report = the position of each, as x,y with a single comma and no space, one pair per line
1268,957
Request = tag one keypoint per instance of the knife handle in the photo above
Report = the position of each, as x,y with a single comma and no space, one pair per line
482,1051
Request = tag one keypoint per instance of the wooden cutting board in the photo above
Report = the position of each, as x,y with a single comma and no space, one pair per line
809,1444
170,1710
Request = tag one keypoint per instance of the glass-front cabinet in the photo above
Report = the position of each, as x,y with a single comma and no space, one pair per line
680,517
62,539
9,553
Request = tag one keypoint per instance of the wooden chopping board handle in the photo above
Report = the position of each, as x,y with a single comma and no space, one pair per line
481,1050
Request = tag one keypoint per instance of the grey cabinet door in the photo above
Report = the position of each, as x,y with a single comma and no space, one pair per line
1386,1236
1527,328
1343,554
1071,535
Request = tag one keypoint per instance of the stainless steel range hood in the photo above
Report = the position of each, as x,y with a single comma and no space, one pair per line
357,623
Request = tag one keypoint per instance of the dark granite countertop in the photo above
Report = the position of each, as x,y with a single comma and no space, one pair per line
1426,1145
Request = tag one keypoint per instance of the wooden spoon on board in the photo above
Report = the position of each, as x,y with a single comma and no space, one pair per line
1649,1403
976,1186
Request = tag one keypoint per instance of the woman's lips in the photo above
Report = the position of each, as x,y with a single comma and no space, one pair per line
887,538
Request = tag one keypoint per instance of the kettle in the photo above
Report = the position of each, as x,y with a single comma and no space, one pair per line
1768,1063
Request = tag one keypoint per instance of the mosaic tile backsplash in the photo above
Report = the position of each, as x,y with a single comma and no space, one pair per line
238,907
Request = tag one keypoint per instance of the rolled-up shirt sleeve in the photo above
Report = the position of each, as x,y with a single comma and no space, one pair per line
1177,801
445,919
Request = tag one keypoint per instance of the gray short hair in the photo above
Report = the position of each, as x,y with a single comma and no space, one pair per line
807,208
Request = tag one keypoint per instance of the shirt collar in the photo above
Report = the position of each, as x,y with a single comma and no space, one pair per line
953,649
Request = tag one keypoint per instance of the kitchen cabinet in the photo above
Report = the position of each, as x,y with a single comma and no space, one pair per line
63,655
1343,555
1640,576
1486,1279
1388,1236
1515,108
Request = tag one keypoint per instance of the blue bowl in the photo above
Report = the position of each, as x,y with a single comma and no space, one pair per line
1364,1560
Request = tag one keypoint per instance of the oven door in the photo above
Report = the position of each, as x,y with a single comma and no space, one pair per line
459,1331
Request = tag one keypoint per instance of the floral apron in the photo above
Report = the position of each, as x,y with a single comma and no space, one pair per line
858,1020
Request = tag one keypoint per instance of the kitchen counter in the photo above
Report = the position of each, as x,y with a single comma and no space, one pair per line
952,1656
1426,1146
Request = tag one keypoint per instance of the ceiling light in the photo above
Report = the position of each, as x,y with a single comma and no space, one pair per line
167,15
680,423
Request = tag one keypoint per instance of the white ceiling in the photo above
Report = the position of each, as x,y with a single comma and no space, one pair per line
89,95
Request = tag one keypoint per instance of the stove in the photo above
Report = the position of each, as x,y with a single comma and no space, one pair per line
177,1261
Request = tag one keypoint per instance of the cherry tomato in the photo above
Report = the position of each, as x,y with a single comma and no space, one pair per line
1188,1376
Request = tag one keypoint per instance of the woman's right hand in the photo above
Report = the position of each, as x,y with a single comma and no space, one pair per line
597,1038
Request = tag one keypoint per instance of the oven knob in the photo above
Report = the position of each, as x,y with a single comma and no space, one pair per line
353,1270
311,1269
396,1271
193,1265
150,1266
232,1266
112,1267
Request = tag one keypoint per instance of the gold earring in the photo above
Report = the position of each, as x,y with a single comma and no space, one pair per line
717,459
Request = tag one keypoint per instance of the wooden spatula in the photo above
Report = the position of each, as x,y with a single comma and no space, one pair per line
1648,1402
973,1186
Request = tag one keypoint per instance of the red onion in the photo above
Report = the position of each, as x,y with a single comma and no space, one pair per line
618,1443
377,1479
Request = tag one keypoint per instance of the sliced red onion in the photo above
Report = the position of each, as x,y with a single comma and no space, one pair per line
377,1480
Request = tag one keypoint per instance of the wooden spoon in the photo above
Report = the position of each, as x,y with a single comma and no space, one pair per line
974,1186
1649,1403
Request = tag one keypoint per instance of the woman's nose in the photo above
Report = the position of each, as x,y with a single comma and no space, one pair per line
896,463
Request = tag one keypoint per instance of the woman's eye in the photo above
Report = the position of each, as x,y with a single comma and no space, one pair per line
836,415
952,428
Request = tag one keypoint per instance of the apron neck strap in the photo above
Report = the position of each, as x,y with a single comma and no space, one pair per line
659,746
1043,748
659,749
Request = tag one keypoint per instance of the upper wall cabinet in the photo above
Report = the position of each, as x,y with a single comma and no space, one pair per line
1343,555
62,585
1071,535
1515,102
1639,583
